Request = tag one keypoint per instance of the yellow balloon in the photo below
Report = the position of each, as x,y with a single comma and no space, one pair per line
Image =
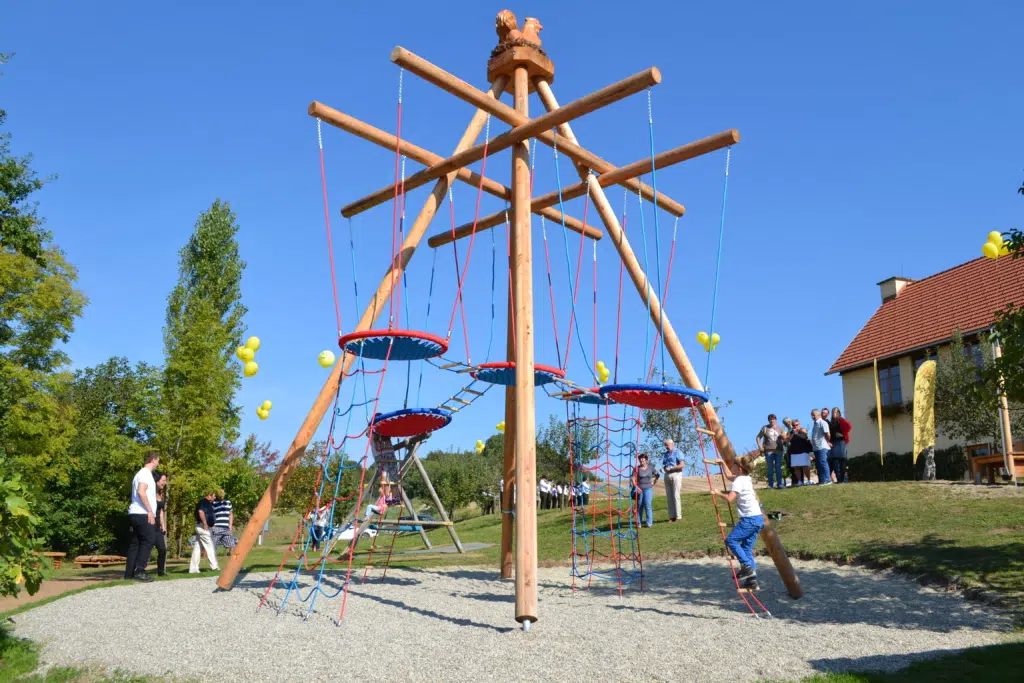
250,369
253,343
264,414
996,238
1004,250
500,426
325,359
267,405
479,446
702,337
245,354
990,250
239,353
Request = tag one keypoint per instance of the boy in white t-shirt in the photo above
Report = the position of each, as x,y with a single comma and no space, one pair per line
744,535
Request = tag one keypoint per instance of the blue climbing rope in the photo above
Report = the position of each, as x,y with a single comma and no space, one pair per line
718,265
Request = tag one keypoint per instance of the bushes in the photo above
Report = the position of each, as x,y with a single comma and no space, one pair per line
950,464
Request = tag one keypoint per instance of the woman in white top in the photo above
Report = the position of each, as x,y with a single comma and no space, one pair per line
744,535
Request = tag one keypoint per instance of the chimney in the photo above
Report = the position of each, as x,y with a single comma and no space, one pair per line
891,288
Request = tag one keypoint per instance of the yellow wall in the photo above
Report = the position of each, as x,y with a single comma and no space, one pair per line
859,399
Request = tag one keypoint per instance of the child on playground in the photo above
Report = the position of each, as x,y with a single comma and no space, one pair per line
744,535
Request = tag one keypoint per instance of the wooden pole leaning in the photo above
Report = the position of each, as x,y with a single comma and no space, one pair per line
436,500
584,105
672,344
323,401
464,91
616,177
388,141
525,389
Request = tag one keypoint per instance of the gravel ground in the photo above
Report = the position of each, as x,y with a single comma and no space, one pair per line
458,625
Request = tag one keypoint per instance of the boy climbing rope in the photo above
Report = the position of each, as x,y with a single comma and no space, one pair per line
744,535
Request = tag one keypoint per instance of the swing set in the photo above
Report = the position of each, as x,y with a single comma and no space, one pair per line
602,448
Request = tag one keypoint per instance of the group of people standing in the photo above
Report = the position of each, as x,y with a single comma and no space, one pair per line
793,445
557,495
147,515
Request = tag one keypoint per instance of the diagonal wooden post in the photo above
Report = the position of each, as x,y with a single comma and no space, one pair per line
323,402
672,343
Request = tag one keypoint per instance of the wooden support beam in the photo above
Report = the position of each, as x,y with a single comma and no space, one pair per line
671,339
464,91
584,105
323,401
388,141
430,487
525,389
616,177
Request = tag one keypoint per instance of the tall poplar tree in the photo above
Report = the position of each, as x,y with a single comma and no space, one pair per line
203,328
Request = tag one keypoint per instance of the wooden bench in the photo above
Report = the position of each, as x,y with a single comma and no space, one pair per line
56,558
988,464
84,561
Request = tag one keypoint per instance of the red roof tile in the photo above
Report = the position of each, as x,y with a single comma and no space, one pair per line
928,311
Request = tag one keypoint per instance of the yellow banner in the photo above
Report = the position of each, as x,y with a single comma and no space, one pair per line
878,408
924,408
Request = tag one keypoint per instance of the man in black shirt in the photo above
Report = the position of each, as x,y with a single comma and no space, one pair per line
205,515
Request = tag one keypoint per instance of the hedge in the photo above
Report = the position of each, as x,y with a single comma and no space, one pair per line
950,464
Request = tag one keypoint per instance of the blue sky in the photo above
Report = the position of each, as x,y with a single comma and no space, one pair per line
878,139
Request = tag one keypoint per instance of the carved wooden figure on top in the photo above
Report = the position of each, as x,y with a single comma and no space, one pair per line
507,27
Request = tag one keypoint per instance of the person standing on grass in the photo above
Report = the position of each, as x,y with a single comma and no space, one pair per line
822,445
800,454
223,522
840,428
742,538
769,442
585,489
204,540
787,424
673,465
142,515
645,476
161,523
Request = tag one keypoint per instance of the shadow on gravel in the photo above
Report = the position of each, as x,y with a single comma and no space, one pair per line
830,597
430,613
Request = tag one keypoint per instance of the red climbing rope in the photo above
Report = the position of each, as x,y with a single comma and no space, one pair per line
327,219
744,594
576,286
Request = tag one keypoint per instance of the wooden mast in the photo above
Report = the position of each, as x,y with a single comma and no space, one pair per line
323,401
672,344
525,413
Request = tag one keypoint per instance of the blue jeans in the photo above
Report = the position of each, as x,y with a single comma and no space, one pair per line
774,461
821,461
645,506
837,460
743,537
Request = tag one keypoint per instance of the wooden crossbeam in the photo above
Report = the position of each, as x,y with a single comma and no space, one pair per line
363,130
616,177
524,131
464,91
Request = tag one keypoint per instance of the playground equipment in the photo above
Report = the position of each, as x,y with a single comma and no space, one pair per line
519,67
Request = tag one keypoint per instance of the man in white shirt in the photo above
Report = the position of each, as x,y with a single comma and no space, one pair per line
822,445
142,516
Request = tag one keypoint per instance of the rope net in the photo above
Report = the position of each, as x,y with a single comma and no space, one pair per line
605,531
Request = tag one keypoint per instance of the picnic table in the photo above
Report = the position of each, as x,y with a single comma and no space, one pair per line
56,558
84,561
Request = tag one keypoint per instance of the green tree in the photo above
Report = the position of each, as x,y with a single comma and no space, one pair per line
203,328
967,406
38,308
115,409
19,548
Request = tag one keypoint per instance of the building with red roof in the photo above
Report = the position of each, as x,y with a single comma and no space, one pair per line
915,321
